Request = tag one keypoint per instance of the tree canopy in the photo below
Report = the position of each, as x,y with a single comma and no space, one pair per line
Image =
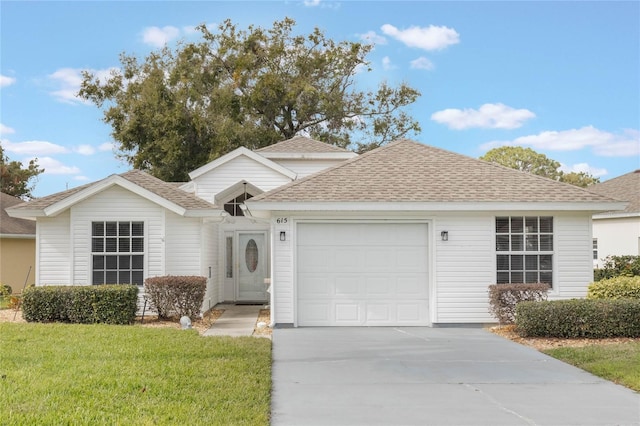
529,161
178,109
16,180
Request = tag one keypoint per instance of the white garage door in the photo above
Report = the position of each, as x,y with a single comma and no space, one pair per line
367,274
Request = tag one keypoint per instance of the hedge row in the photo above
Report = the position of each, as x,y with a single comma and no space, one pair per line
173,295
615,288
109,304
503,298
579,318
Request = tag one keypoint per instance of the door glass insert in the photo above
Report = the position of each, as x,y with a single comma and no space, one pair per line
251,255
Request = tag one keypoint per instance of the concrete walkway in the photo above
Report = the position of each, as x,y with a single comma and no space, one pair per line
236,320
433,376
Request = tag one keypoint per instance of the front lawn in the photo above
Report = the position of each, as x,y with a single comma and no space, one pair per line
619,363
131,375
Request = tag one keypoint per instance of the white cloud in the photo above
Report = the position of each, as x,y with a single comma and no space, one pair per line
69,80
52,166
312,3
107,146
6,130
85,149
606,144
584,168
373,37
488,116
158,37
6,81
36,148
81,178
422,63
427,38
386,64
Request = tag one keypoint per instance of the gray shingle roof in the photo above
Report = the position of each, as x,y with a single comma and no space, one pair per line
623,188
408,171
11,225
301,144
168,191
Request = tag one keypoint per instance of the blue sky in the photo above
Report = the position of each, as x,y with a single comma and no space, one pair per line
562,78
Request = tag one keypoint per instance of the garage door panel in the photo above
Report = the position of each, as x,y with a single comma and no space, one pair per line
368,274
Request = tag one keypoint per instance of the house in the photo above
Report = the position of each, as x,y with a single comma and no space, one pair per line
617,232
406,234
17,247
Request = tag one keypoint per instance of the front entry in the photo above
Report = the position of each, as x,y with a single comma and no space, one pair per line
251,268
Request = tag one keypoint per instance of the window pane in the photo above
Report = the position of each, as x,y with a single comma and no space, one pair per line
98,277
546,262
502,225
502,242
229,209
517,278
137,229
517,243
124,262
97,245
546,242
546,277
531,277
137,262
112,229
517,226
517,263
111,262
546,224
532,243
532,224
503,262
503,278
137,278
123,245
229,259
111,245
97,229
123,229
111,277
531,262
124,277
251,255
98,262
137,245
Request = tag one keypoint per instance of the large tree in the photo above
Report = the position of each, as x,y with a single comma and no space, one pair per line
180,108
15,179
530,161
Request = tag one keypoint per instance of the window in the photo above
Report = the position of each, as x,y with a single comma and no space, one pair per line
524,247
229,257
117,250
595,249
233,207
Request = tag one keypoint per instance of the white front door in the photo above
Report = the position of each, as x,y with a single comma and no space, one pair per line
252,267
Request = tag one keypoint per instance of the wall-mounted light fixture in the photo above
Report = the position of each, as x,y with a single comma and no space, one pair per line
444,235
283,236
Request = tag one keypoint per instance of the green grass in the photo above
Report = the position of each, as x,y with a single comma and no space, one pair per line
131,375
619,363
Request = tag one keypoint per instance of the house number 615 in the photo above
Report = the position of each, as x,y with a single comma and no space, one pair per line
281,220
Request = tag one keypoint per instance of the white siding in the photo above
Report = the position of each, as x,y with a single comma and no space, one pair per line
228,174
182,242
282,283
574,256
306,167
616,237
53,247
116,204
210,264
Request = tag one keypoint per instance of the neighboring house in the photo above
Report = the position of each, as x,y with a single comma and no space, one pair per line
403,235
617,232
17,247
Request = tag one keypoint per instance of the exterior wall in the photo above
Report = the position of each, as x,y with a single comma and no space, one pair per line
228,174
306,167
462,267
16,256
616,236
209,255
53,250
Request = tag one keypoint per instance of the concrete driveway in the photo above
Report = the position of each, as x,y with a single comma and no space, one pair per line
433,376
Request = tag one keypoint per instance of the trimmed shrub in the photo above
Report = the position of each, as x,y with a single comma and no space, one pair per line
109,304
176,295
615,288
503,298
616,266
5,290
579,318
